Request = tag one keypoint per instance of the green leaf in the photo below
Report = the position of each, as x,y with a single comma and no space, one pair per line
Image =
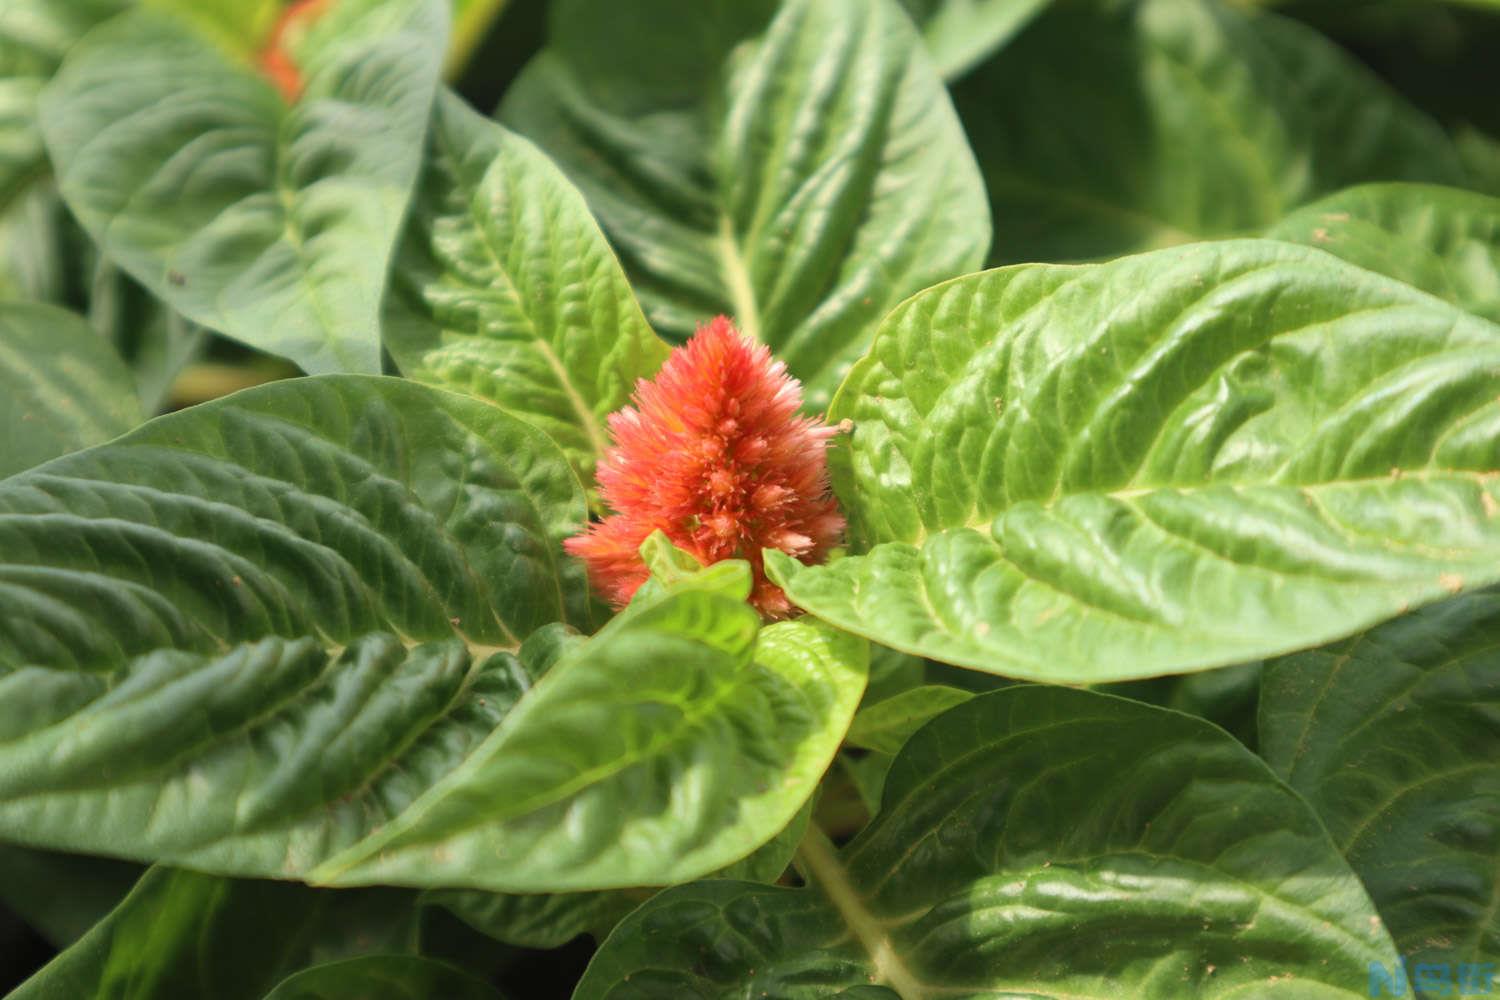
960,33
804,186
537,920
386,977
270,223
552,920
182,934
1442,240
1036,842
62,895
674,742
1177,120
34,35
232,642
1391,736
62,386
887,724
230,638
1189,458
505,289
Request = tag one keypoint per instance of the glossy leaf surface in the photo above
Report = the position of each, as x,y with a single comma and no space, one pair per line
1393,736
1036,842
1178,460
245,634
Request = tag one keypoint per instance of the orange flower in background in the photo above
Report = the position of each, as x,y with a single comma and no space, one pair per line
276,59
715,455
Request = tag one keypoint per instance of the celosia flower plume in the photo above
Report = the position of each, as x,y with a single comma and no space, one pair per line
715,455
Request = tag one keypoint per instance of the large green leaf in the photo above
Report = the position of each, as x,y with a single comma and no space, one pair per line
271,223
1393,737
1443,240
673,743
505,288
1040,843
229,637
62,386
1193,457
960,33
181,934
805,185
274,635
1177,120
551,920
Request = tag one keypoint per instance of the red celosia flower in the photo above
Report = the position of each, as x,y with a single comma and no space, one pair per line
275,59
715,455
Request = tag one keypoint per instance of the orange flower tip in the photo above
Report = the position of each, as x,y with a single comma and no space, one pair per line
276,60
714,453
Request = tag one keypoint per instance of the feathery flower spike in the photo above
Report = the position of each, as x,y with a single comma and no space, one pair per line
713,453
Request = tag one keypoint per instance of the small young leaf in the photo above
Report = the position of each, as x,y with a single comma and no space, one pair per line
804,186
62,386
1391,736
1177,120
1442,240
505,288
1185,459
271,223
1037,842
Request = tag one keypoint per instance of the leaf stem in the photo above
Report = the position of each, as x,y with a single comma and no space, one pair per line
818,861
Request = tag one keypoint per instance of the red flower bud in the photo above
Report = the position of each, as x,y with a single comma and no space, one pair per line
715,455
